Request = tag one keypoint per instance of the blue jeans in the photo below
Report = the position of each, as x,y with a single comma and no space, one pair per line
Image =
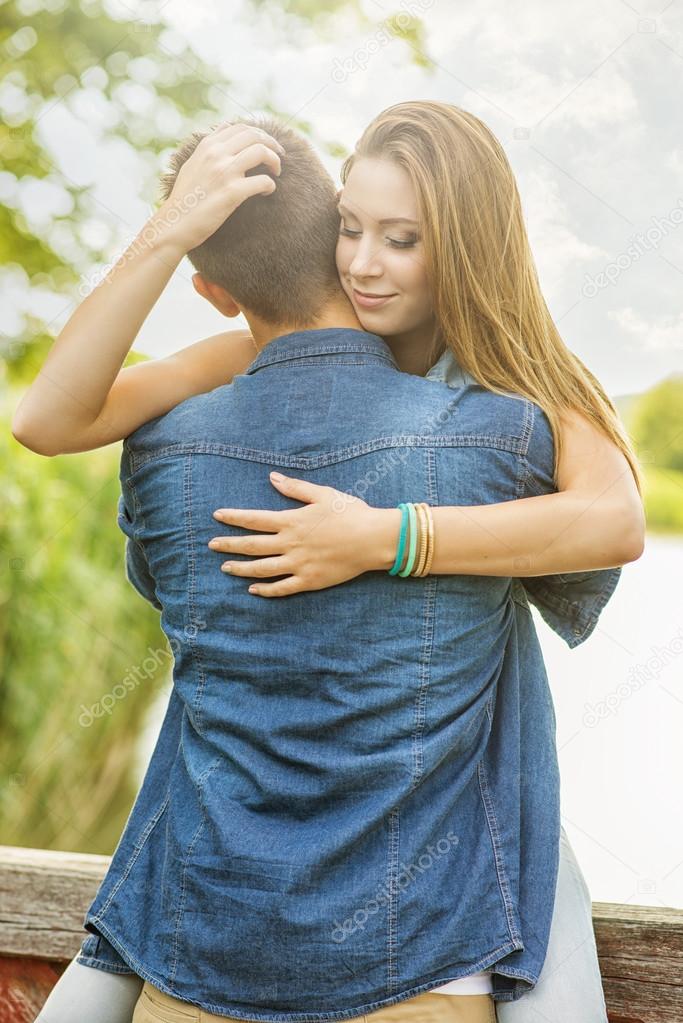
569,988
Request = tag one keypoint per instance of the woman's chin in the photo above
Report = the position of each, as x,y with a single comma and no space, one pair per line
375,322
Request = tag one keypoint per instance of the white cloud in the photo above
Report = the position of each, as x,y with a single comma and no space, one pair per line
660,334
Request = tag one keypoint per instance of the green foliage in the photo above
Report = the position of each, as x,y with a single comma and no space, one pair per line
657,425
663,500
73,632
72,628
63,54
411,30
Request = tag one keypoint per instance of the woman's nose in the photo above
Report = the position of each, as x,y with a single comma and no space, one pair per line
365,262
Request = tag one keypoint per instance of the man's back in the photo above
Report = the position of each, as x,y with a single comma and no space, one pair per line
341,821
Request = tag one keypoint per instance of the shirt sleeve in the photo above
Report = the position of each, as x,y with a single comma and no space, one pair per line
137,567
570,603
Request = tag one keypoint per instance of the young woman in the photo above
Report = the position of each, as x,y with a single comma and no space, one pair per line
434,257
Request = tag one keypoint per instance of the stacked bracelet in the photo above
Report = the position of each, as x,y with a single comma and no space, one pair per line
417,535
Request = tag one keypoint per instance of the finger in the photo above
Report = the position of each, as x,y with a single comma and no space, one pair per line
283,588
238,134
249,136
258,545
300,490
258,569
254,155
251,518
256,184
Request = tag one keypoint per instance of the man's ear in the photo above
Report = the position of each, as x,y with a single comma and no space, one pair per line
216,295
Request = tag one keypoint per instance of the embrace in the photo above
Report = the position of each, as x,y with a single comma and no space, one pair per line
343,514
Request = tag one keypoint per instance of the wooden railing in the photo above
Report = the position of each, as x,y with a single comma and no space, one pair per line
44,895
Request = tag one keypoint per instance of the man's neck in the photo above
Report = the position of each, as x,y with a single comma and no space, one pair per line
334,314
411,351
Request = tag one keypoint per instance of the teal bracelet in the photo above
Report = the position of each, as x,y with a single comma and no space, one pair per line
413,542
401,539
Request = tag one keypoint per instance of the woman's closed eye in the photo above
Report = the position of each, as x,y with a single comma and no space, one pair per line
395,242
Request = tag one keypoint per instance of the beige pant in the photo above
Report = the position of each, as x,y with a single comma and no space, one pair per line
153,1006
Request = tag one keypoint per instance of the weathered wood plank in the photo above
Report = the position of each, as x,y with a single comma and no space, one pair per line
640,949
43,898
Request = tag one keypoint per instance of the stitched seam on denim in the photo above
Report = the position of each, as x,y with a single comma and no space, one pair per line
503,882
315,360
119,947
527,426
523,468
489,710
271,358
424,675
497,442
392,911
110,968
424,667
137,849
191,632
305,1017
181,901
138,524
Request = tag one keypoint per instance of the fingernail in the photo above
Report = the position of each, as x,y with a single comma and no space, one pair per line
227,567
276,476
213,543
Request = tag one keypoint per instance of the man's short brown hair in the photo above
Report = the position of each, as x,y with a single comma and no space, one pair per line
276,253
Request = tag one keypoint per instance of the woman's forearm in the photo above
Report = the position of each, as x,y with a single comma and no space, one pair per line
559,532
70,390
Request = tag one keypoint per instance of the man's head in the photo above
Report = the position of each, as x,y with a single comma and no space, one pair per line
275,255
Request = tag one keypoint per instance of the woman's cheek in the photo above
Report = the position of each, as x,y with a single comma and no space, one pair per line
342,257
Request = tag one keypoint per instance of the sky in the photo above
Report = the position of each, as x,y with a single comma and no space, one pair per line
582,97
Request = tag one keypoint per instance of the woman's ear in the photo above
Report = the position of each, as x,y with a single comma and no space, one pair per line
216,295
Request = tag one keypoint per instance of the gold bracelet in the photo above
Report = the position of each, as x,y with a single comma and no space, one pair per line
421,559
430,539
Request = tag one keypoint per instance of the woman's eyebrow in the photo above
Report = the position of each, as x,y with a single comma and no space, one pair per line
387,220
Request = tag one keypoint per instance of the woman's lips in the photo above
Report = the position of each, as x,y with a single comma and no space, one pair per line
370,301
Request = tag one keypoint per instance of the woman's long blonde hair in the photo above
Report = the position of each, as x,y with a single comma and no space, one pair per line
487,299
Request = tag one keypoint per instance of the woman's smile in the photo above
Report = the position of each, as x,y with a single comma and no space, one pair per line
370,300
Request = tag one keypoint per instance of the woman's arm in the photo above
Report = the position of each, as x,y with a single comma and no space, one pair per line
81,398
139,393
595,521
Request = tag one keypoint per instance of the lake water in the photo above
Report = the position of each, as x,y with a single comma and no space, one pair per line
619,707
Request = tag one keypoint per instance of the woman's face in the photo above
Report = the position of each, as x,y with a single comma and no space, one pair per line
380,252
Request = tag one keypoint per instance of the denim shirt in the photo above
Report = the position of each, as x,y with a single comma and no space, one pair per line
354,795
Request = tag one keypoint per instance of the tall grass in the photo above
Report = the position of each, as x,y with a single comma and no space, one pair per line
72,629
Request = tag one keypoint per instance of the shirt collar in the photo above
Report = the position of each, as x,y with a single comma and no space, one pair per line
302,344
